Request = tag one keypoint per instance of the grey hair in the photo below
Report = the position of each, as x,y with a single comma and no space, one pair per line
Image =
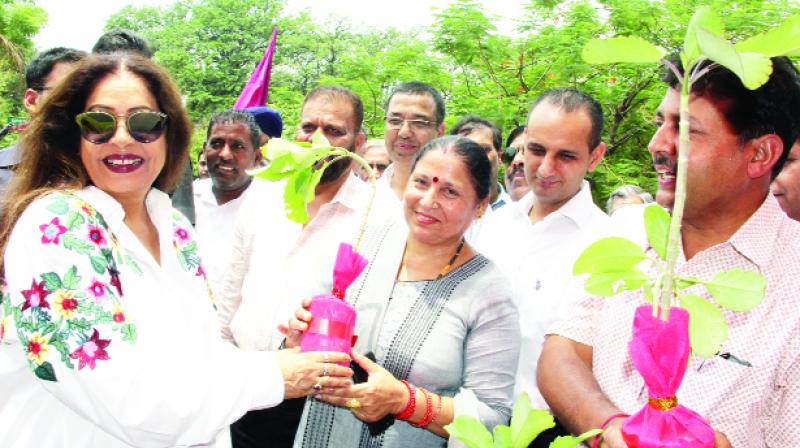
627,191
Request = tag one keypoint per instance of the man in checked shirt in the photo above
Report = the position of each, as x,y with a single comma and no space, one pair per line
750,391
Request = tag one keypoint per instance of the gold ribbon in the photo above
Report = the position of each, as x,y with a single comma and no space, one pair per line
664,404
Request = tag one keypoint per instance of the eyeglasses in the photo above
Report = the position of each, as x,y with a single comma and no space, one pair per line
144,126
508,154
379,167
395,123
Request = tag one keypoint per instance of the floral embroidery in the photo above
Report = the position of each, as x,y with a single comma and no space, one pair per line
96,235
185,246
91,351
98,290
66,304
52,232
118,314
38,347
35,297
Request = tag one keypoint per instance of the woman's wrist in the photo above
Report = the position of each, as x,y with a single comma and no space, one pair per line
403,397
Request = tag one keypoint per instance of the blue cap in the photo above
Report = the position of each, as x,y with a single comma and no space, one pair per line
269,120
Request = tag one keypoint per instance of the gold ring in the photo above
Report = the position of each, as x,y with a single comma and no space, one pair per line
353,404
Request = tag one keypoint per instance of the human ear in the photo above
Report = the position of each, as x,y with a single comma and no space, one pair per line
596,156
766,153
30,99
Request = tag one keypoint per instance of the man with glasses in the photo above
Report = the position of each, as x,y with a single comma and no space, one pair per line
414,116
514,177
42,75
377,157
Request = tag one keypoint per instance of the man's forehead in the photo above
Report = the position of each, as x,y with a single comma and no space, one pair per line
59,71
331,109
402,101
230,130
480,134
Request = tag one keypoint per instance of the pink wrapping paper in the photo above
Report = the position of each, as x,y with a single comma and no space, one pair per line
660,352
331,328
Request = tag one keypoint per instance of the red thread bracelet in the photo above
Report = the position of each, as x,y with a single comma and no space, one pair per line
605,423
408,411
426,419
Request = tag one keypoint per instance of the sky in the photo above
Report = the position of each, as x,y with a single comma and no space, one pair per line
78,23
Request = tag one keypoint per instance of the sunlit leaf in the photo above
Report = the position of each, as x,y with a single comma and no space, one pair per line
295,196
779,41
607,255
656,222
706,18
737,289
627,49
648,292
707,326
609,284
318,140
753,69
572,441
502,436
528,423
470,431
685,282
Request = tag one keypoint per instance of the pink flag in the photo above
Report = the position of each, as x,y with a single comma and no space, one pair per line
255,91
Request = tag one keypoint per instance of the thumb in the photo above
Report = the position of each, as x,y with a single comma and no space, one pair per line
364,362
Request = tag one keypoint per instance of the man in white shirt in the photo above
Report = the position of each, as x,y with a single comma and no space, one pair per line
562,144
231,148
276,263
414,116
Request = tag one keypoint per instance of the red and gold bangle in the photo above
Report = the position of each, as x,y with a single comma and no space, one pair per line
426,419
408,411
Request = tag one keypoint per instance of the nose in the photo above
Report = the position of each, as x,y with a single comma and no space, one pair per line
664,140
405,128
225,152
547,166
428,198
121,136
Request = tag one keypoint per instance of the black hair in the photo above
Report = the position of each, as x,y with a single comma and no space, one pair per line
770,109
333,91
469,123
118,40
570,100
419,88
39,68
514,134
471,153
233,117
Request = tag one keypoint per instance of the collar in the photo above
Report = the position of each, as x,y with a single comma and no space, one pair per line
756,238
580,209
353,193
157,203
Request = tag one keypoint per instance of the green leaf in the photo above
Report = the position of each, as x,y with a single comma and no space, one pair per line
572,441
71,279
295,196
58,206
528,423
312,184
628,49
656,222
608,255
737,289
74,219
609,284
753,69
63,350
72,242
502,436
52,281
45,372
707,326
129,333
685,282
779,41
470,431
99,263
706,18
648,292
318,140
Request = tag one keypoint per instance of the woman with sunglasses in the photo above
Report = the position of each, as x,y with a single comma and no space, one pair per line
437,317
109,335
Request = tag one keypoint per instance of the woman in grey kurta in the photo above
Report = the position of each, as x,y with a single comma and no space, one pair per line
452,331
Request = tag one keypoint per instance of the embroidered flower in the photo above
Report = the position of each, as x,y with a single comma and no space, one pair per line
88,210
96,235
3,325
98,290
114,273
182,234
38,347
35,297
92,350
66,303
118,314
52,231
200,272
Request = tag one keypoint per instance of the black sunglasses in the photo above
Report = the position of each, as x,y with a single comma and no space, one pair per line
379,167
508,154
144,126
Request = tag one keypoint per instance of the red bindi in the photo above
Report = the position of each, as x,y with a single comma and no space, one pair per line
435,179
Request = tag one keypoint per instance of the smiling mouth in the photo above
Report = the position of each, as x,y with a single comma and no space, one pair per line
123,162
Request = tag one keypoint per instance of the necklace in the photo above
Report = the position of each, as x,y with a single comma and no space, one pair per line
449,264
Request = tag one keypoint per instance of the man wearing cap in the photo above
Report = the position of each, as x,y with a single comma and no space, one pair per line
232,147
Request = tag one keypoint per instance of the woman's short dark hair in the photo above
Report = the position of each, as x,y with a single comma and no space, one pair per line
472,154
50,147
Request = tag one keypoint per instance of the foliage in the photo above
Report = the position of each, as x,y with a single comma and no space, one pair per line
526,424
20,20
211,46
